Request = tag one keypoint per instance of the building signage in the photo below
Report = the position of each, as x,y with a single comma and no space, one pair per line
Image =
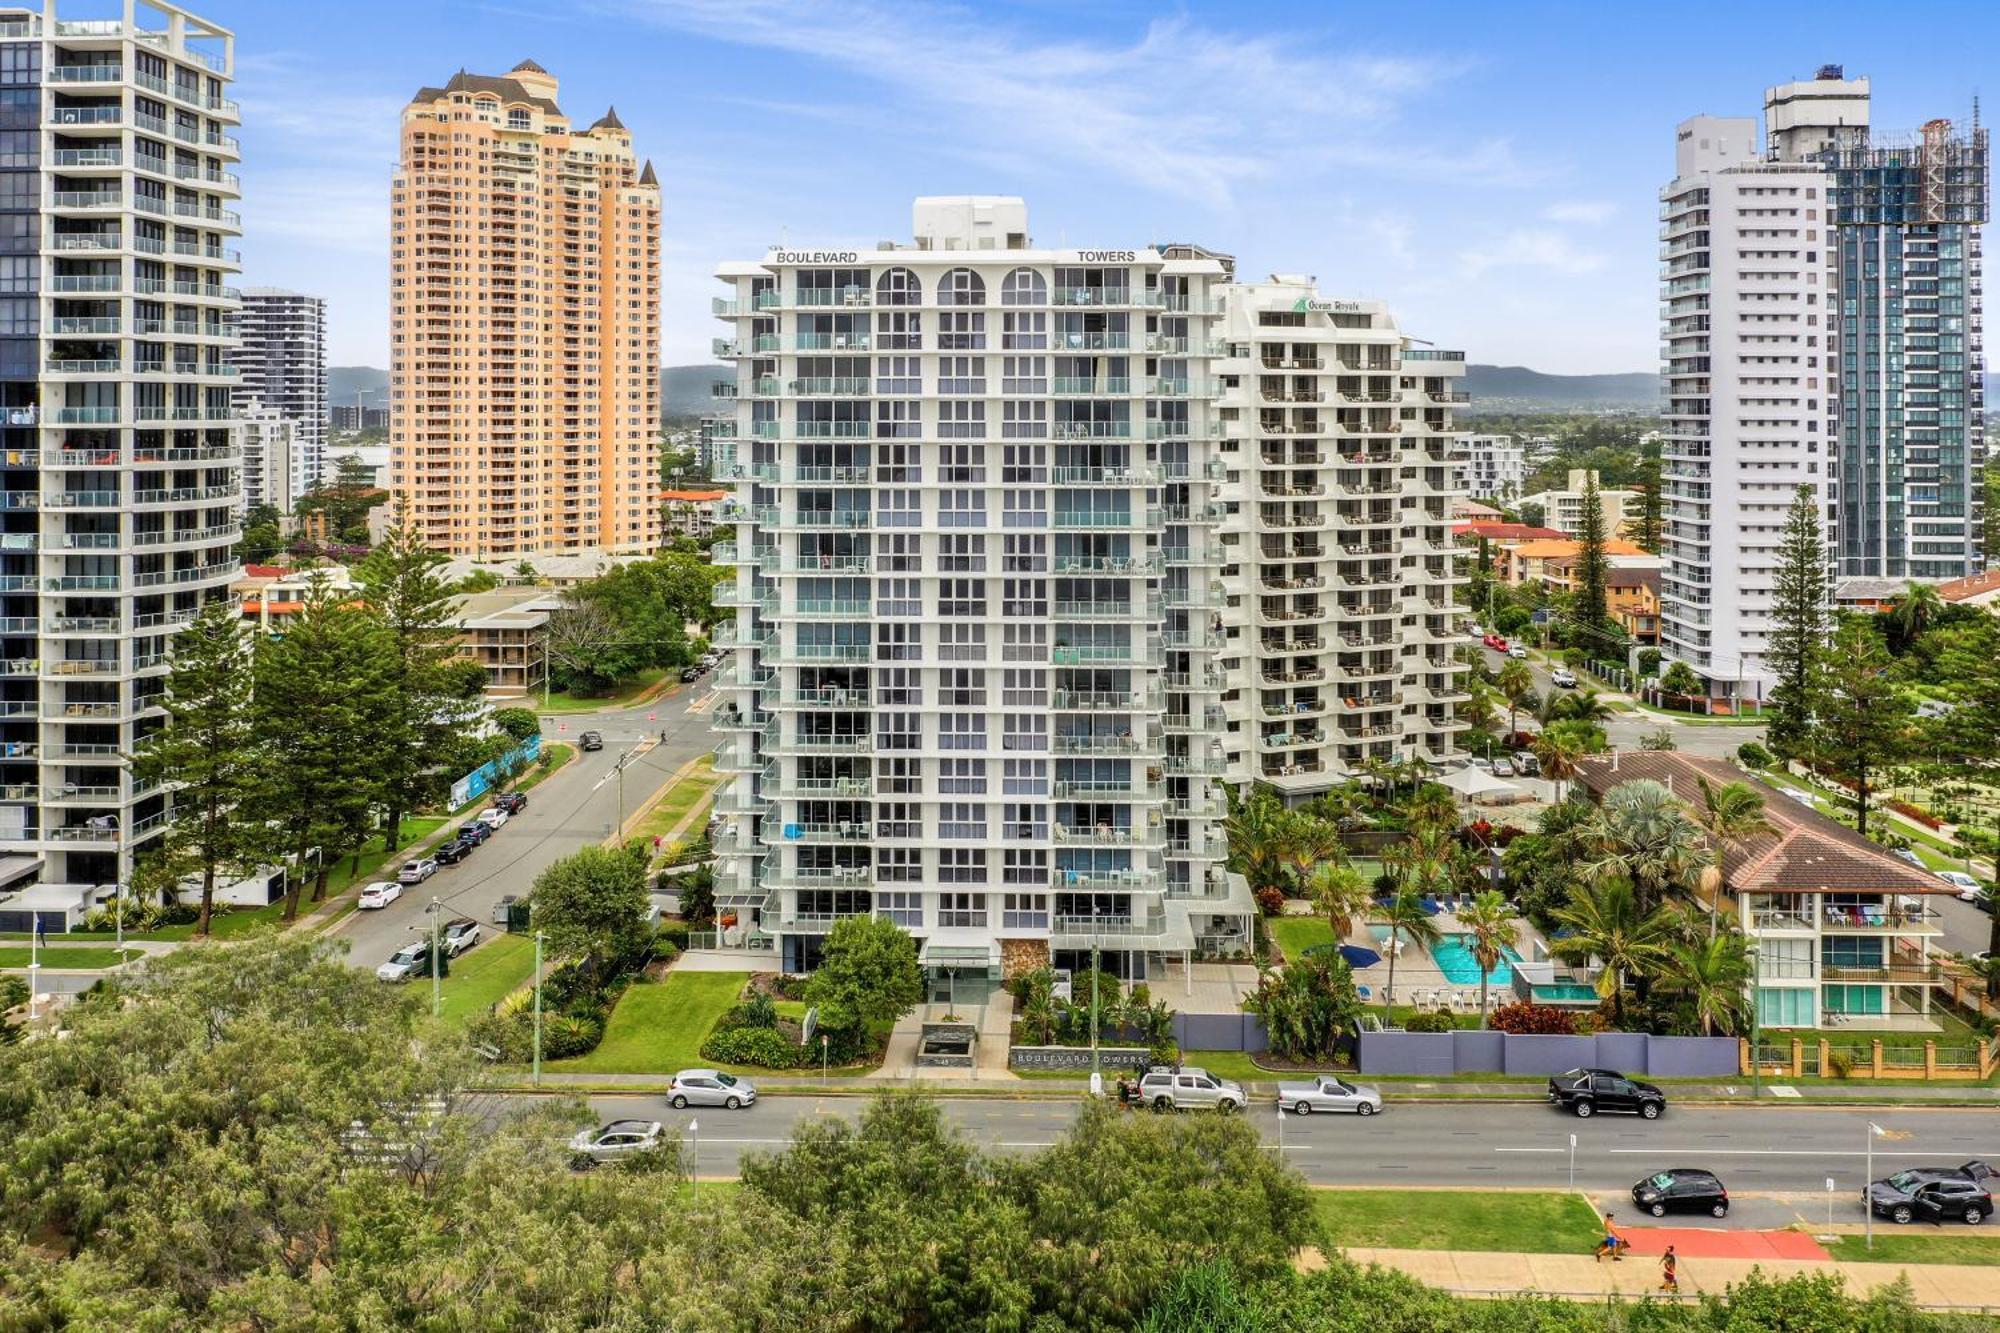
816,257
1304,306
1107,256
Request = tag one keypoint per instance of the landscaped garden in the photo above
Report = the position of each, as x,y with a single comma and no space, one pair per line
1507,1220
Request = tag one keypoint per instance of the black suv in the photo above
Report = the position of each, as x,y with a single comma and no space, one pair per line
1588,1091
591,740
512,802
1682,1190
1935,1194
451,853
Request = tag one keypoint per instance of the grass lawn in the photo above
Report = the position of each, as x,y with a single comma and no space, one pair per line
1296,934
56,956
658,1027
1459,1220
625,693
557,755
681,800
1926,1247
483,977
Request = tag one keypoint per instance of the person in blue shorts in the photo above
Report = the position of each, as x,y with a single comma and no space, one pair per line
1613,1243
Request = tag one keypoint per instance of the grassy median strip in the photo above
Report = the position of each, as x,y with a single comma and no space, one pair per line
1929,1246
1505,1220
658,1026
482,978
55,957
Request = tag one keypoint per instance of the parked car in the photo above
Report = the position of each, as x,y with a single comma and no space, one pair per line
1188,1089
591,740
412,960
451,853
474,830
710,1087
1910,855
507,900
513,802
460,934
1495,642
1563,677
1968,888
1527,765
1328,1093
1585,1092
1681,1190
1934,1194
379,894
1503,767
1518,652
690,674
613,1142
493,817
418,870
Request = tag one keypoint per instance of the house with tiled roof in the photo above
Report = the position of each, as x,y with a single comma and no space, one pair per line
1844,932
1974,590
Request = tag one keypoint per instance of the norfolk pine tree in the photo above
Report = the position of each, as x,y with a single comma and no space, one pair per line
1651,524
432,697
1798,624
204,749
1593,613
1865,720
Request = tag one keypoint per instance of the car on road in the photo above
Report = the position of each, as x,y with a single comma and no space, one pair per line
1585,1092
710,1087
493,817
1563,677
513,802
614,1142
689,675
507,900
451,853
1518,652
1188,1089
412,960
1503,767
1968,888
418,870
1684,1189
1937,1194
475,831
591,740
1328,1093
460,934
1527,765
379,894
1495,642
1910,855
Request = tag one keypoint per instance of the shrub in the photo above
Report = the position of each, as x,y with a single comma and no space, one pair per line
13,992
1840,1064
1649,661
1270,901
1918,813
1539,1019
1752,755
665,950
568,1034
1430,1022
767,1048
1385,884
787,986
674,932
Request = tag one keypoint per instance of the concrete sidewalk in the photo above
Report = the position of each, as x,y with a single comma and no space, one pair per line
1959,1287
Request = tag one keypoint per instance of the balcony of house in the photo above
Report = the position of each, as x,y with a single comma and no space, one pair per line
1282,611
1196,721
1300,704
1298,456
1097,700
1280,739
1293,771
1292,673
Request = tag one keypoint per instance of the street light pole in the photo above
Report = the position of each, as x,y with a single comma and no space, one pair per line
437,962
538,1008
1756,1021
1867,1201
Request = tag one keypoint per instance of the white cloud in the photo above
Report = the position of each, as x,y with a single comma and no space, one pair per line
1525,248
1588,212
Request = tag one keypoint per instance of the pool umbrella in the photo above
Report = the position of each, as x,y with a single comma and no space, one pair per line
1357,956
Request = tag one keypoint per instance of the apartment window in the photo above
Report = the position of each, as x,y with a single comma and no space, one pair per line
961,642
1024,286
962,331
898,687
899,330
897,419
899,374
963,909
962,464
961,553
1023,688
899,865
962,820
897,776
905,909
898,553
1024,642
1024,732
961,420
897,731
961,286
962,508
1025,553
962,777
1025,865
961,599
900,508
1024,331
898,286
1024,374
1022,911
961,731
899,597
1024,421
1028,598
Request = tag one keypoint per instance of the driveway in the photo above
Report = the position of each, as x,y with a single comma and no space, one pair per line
1625,731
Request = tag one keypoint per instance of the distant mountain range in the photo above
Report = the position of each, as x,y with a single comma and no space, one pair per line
685,390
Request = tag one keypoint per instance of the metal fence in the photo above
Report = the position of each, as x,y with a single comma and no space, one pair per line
1442,1053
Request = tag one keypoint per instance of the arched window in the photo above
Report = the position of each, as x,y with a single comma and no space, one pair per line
899,286
517,118
961,286
1024,286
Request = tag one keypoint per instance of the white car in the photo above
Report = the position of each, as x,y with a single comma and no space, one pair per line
409,961
379,894
417,871
1563,677
1327,1093
493,816
1518,652
1969,890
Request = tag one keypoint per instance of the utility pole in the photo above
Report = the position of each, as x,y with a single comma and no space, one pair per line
1756,1029
437,959
538,1007
1096,1077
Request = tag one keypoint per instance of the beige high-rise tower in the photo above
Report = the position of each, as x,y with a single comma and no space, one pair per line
524,323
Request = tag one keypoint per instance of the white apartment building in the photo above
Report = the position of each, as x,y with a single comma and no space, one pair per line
270,452
282,364
118,509
1749,341
1002,517
1340,464
1562,509
1496,467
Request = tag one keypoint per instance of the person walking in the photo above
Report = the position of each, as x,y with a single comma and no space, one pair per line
1612,1242
1669,1275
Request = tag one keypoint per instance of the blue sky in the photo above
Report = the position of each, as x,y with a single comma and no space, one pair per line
1490,169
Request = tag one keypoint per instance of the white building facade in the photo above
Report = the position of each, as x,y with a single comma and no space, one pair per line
1001,518
1496,467
270,452
282,365
1563,510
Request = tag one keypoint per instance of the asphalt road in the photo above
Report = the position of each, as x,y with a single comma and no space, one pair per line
1626,730
1779,1157
577,807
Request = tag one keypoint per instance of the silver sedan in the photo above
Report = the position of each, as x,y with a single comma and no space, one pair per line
710,1087
1328,1093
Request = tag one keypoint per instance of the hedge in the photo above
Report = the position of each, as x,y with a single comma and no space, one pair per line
766,1048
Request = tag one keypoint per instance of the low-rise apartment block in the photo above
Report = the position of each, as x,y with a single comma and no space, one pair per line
1496,467
1562,509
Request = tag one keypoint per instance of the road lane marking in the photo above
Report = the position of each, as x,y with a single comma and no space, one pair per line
1768,1152
1533,1150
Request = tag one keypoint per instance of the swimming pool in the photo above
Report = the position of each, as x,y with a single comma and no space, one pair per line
1565,992
1453,954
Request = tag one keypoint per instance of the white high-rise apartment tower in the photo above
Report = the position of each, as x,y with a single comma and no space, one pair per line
118,505
282,364
1000,512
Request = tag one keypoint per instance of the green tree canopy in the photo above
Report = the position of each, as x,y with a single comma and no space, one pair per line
868,975
592,904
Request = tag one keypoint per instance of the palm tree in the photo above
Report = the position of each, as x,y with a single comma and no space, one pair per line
1560,749
1730,814
1605,922
1641,834
1255,825
1914,612
1478,709
1410,923
1432,806
1587,706
1343,895
1308,842
1712,973
1493,929
1515,683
